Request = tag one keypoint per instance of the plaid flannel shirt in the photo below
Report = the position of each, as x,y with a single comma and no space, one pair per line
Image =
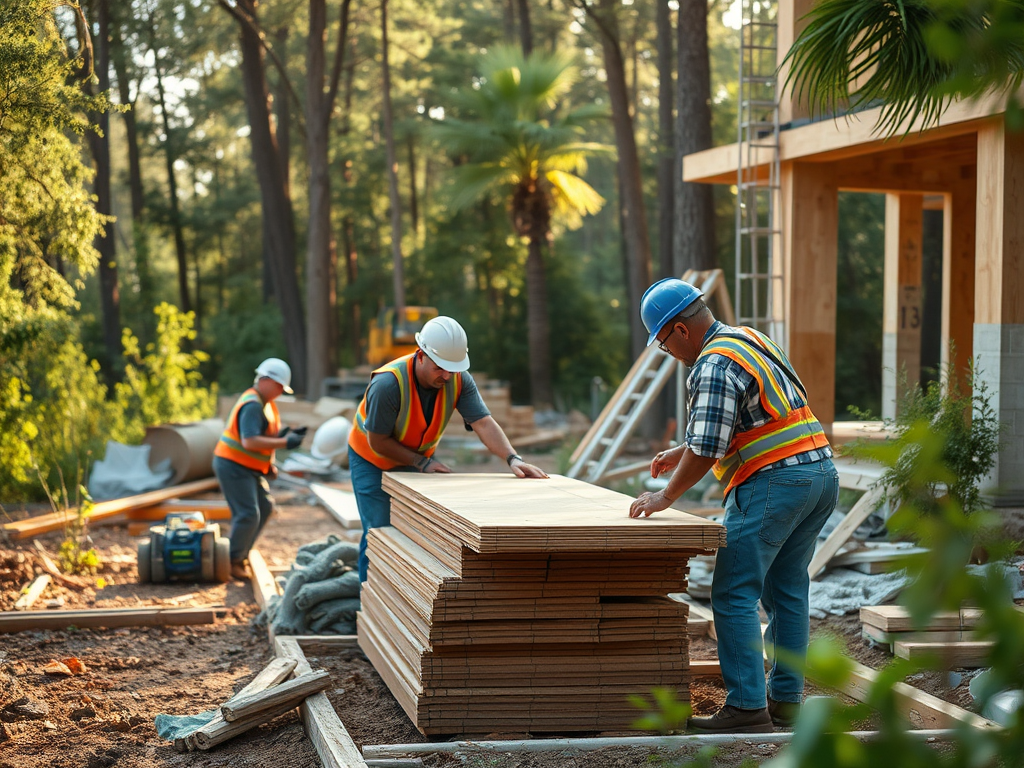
725,399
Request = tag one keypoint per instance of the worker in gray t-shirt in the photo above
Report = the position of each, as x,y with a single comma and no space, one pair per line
403,413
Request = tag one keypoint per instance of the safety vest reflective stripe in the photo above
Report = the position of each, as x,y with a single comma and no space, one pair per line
230,444
793,428
411,428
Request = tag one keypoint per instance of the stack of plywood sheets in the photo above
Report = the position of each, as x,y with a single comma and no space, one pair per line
499,604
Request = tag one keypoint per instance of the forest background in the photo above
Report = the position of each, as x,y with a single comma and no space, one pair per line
192,186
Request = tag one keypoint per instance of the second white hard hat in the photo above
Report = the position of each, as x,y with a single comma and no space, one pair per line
276,369
331,438
444,341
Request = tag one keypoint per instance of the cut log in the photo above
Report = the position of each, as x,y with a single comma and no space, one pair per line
294,690
18,621
32,592
34,526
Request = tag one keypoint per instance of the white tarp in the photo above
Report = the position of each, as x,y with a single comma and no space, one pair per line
125,471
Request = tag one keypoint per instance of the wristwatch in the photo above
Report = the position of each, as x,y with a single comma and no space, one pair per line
511,456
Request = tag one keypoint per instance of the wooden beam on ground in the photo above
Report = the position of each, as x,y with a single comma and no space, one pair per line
294,691
705,668
341,505
841,533
32,592
896,618
212,509
966,654
268,677
111,618
263,583
332,742
34,526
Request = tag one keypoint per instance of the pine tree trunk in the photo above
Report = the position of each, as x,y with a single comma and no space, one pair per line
694,239
525,27
398,271
666,141
634,217
105,243
276,204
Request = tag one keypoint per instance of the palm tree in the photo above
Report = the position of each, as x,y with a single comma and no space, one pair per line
513,139
910,56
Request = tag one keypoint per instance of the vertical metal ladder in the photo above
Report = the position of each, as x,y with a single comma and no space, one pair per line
758,236
601,446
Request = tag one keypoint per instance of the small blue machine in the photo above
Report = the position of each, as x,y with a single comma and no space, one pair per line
184,548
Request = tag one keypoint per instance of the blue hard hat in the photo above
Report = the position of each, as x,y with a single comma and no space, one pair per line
663,301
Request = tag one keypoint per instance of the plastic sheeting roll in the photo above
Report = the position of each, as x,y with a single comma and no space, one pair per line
188,446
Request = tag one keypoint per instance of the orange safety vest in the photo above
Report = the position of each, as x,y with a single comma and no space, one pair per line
230,444
793,429
411,428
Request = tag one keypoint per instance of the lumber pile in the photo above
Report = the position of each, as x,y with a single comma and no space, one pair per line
515,420
948,636
498,604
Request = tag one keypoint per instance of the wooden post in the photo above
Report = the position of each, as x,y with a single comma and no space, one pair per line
791,21
958,236
902,306
999,299
810,212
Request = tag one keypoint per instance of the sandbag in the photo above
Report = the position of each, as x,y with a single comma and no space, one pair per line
346,585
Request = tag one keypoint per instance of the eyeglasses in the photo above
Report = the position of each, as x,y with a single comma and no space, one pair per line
661,344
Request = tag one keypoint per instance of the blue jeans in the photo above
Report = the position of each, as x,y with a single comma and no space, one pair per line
248,496
772,521
373,503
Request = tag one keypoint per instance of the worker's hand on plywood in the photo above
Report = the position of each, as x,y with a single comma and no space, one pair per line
432,466
647,504
521,469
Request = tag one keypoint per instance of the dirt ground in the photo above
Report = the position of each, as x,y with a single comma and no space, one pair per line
104,717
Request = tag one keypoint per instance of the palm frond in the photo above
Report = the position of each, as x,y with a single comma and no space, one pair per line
470,183
571,193
882,42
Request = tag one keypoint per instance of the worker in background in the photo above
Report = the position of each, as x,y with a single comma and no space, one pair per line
750,423
404,412
244,457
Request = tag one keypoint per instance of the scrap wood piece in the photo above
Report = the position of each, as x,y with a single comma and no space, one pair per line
264,586
332,741
294,691
51,567
268,677
705,668
966,654
896,618
225,730
17,621
339,503
32,592
34,526
841,533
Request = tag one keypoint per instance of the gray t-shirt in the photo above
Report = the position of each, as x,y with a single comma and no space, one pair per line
384,400
251,420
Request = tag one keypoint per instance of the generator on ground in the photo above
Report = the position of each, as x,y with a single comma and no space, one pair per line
184,548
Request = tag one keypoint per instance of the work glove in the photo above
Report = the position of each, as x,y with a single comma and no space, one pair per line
300,430
284,431
293,440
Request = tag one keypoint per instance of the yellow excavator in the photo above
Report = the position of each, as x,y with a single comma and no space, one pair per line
393,334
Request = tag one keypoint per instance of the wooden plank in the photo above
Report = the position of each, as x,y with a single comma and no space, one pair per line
333,743
17,621
340,504
958,242
698,612
276,671
705,668
902,305
841,533
263,583
882,637
32,592
212,509
896,618
966,654
34,526
294,691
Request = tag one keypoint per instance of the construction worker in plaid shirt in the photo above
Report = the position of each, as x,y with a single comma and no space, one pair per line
749,422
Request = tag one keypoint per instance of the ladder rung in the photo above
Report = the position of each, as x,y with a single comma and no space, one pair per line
605,441
760,103
762,79
758,230
622,418
747,47
751,184
635,396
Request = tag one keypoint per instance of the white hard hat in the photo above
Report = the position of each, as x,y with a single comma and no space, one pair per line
331,438
444,342
276,369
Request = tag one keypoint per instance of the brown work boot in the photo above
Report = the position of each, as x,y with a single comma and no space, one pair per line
730,719
240,570
783,713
